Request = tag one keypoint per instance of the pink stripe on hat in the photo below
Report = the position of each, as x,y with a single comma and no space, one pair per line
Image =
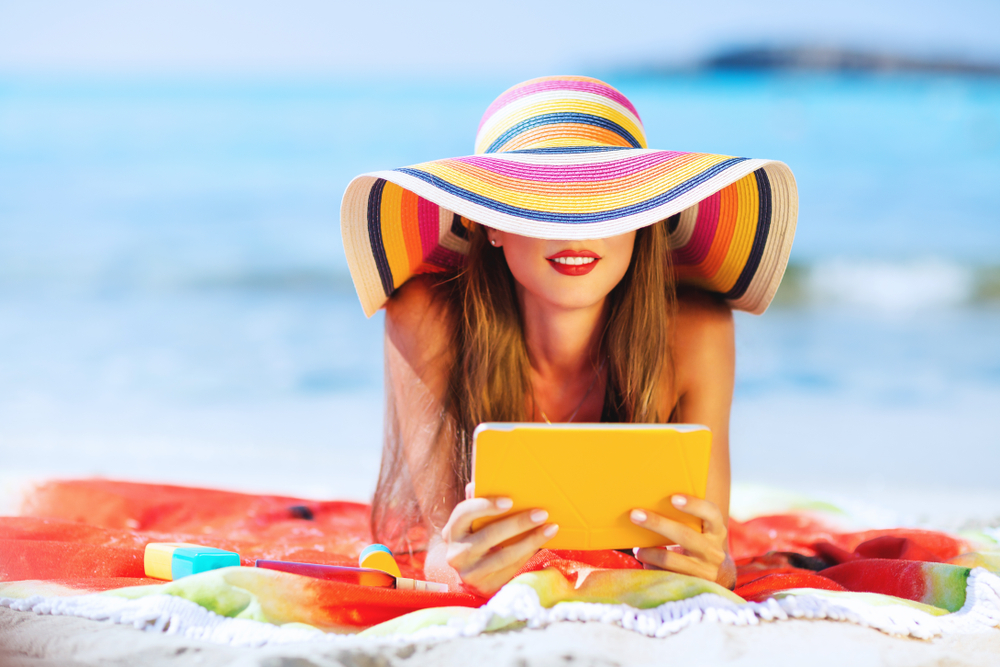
557,83
600,171
697,248
428,215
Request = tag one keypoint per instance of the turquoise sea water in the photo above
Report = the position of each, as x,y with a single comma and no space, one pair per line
174,301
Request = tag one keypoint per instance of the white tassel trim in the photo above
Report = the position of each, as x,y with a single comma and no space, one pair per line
519,603
167,614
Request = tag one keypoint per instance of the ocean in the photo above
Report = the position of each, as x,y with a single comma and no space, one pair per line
175,304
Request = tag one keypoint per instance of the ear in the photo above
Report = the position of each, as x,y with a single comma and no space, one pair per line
494,237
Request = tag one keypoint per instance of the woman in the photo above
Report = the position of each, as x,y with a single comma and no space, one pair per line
558,304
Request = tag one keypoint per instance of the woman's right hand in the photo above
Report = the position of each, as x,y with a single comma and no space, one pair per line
477,556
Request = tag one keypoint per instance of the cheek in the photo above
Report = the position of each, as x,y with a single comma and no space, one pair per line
529,269
616,270
619,257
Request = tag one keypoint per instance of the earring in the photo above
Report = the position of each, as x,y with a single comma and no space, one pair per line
493,242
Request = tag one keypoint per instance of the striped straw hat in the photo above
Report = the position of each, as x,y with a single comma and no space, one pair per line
565,158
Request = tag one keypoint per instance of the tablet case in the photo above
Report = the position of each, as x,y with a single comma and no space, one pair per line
590,476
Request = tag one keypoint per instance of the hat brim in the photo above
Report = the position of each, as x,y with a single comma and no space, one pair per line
731,220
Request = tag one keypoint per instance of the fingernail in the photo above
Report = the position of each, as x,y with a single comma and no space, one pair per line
504,503
679,501
638,516
539,516
550,531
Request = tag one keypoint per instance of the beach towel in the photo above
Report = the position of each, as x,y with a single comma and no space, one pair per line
77,549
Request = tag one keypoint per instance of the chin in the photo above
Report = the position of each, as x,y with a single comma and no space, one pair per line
566,292
581,296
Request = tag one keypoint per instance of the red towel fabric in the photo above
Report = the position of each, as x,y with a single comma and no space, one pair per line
89,535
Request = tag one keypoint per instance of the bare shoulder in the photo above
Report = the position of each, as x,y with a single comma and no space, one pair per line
701,314
704,340
416,304
418,323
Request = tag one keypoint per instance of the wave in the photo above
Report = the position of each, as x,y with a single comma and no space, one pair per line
872,284
889,286
289,280
248,280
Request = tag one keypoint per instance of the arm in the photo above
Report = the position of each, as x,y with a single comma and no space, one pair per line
417,362
705,354
705,359
419,356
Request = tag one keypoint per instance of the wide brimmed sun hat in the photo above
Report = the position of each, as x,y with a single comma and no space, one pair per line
565,157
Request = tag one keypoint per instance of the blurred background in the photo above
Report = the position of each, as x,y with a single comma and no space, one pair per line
174,299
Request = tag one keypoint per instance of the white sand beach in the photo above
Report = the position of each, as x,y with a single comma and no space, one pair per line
29,640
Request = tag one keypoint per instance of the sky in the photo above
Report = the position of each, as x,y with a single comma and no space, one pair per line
440,37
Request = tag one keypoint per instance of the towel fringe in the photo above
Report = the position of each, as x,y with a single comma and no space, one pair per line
519,603
167,614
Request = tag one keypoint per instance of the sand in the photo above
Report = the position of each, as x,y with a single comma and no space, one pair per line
29,640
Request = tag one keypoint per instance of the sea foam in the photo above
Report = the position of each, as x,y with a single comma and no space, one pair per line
893,286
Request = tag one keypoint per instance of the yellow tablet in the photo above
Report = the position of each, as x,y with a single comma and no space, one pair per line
590,476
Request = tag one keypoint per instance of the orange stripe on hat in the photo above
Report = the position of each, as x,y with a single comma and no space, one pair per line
570,189
562,197
392,233
742,242
411,229
572,178
704,272
565,134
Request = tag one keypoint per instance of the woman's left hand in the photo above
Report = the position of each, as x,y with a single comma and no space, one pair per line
701,554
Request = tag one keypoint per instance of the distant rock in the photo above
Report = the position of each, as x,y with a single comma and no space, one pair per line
838,60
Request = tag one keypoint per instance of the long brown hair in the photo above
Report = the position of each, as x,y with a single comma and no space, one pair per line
489,379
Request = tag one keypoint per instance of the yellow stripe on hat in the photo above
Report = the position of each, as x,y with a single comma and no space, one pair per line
561,105
390,217
573,202
704,273
564,183
411,230
743,235
516,105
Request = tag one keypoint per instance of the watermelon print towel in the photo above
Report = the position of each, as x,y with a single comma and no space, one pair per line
77,549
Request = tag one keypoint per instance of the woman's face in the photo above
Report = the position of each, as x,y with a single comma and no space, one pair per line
566,274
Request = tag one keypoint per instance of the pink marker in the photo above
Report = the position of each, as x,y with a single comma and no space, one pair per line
361,576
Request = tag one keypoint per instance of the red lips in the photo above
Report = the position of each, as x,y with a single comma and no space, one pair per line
574,262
